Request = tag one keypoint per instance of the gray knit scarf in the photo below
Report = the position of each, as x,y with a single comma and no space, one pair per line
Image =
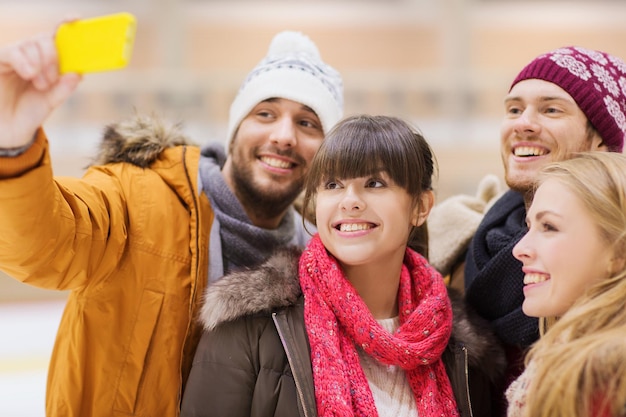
243,243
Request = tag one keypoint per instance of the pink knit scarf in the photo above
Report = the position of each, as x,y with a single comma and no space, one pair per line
337,320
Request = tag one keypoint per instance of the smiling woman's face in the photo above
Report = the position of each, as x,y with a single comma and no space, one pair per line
563,252
365,220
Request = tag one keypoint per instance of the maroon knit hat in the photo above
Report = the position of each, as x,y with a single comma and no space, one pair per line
595,80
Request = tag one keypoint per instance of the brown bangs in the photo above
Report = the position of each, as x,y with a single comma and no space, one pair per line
362,146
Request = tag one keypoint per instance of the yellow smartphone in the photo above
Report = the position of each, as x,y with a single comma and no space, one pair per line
101,43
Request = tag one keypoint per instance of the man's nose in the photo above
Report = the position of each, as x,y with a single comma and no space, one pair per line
283,133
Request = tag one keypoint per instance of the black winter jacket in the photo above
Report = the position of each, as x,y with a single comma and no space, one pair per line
254,357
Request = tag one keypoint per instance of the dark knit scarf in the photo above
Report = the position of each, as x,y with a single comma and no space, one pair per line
243,243
494,280
337,320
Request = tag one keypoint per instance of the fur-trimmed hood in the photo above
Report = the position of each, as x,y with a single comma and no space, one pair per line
138,141
275,285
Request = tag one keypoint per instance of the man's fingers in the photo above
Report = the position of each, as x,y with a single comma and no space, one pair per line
35,60
13,60
64,88
49,59
28,59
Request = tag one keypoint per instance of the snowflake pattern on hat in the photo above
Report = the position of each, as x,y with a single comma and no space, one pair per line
572,65
614,110
608,79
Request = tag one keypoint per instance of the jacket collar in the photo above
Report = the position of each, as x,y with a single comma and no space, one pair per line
138,141
275,285
272,285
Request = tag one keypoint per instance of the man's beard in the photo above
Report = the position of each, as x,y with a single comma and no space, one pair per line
264,204
521,187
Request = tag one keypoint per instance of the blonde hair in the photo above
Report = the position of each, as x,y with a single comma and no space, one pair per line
580,361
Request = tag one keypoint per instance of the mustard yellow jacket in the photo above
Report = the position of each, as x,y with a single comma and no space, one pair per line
130,240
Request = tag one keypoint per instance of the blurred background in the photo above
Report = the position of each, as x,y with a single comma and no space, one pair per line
443,65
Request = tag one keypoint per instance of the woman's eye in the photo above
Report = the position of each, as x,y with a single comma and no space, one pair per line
547,227
375,183
331,185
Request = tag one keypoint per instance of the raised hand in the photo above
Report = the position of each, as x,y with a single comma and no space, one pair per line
30,88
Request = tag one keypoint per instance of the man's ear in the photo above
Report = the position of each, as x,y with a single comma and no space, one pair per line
597,144
231,144
422,209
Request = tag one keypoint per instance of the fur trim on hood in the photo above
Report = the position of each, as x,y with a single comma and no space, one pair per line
275,285
272,285
138,141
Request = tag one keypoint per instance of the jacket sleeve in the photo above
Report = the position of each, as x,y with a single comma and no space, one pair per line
58,233
224,373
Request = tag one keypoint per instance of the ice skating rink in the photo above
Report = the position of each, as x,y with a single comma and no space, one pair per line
27,331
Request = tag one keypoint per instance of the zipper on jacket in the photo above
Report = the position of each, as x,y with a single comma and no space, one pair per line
290,359
466,370
196,210
196,267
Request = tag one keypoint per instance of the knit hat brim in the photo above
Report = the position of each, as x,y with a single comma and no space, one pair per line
291,84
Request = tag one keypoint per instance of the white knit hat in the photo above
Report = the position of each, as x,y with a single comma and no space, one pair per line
293,70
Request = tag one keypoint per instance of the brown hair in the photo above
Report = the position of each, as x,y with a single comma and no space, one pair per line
364,145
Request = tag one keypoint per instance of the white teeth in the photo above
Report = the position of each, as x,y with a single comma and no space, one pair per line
276,163
353,227
534,278
528,151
